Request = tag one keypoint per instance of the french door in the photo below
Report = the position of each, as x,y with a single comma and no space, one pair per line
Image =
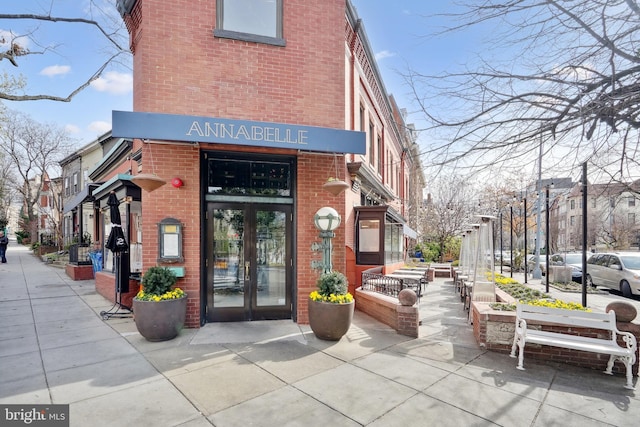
249,261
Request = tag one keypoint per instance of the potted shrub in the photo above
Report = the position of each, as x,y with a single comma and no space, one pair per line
159,309
331,307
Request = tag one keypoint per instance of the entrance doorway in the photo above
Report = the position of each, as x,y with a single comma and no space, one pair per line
249,261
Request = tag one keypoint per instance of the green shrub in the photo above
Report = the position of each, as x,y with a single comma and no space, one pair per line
333,282
158,280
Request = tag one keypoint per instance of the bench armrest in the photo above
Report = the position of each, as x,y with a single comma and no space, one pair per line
629,340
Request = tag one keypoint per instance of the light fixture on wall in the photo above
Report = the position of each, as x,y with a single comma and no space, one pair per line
148,181
177,182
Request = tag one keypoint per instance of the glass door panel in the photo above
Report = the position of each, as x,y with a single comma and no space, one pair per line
228,257
271,244
249,268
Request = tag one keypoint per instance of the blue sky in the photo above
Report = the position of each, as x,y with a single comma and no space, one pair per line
78,51
395,30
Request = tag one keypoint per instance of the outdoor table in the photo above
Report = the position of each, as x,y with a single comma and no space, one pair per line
409,272
410,280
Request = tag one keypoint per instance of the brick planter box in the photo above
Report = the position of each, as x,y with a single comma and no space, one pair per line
79,272
388,310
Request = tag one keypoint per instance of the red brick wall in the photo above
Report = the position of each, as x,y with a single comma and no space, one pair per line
183,204
313,171
181,68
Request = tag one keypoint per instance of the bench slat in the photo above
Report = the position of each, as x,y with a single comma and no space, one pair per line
594,345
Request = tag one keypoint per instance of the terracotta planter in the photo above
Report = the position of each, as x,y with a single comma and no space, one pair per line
330,321
160,320
335,187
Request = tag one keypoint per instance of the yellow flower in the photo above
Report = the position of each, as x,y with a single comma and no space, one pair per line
332,298
175,293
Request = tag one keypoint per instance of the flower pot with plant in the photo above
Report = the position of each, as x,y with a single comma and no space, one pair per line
160,308
331,307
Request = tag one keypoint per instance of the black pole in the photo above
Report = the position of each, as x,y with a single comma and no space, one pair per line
546,233
511,242
500,242
584,234
526,261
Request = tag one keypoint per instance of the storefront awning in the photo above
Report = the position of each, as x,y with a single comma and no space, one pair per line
123,187
409,232
84,196
197,129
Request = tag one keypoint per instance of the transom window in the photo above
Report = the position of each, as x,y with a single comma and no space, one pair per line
250,20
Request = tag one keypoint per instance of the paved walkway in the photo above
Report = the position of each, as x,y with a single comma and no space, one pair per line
55,348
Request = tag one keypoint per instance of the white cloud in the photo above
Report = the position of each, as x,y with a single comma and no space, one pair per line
72,129
99,127
114,83
384,54
7,37
55,70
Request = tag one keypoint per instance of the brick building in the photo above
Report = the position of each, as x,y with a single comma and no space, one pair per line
245,114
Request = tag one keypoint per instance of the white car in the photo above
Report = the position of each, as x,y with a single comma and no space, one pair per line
615,270
531,264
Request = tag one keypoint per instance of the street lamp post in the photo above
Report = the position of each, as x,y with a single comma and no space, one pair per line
511,241
326,220
584,234
526,263
501,248
546,233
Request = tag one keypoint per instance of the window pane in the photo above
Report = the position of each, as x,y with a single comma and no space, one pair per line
369,240
251,16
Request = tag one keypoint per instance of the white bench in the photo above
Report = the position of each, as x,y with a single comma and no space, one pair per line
526,333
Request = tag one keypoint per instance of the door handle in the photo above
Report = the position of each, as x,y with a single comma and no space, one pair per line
247,269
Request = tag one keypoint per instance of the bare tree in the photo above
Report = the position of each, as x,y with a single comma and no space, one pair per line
34,150
562,74
447,211
101,17
7,189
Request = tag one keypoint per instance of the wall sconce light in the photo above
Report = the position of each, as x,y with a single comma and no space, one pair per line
177,182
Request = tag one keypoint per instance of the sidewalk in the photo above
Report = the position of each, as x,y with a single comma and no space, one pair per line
55,348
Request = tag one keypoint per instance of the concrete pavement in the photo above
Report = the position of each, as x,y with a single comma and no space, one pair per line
55,348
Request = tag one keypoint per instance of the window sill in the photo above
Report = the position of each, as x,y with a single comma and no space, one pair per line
226,34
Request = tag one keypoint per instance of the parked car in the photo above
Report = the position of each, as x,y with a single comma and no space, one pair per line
531,263
572,259
615,270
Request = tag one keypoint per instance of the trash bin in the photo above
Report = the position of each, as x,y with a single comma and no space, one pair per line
96,261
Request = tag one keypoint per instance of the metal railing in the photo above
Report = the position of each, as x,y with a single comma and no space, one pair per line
79,254
381,284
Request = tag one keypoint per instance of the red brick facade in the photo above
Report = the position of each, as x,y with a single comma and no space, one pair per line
322,77
181,68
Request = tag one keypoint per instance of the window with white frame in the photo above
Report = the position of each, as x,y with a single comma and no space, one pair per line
631,218
257,21
632,201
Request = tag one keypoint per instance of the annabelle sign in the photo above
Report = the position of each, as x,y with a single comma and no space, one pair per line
171,127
